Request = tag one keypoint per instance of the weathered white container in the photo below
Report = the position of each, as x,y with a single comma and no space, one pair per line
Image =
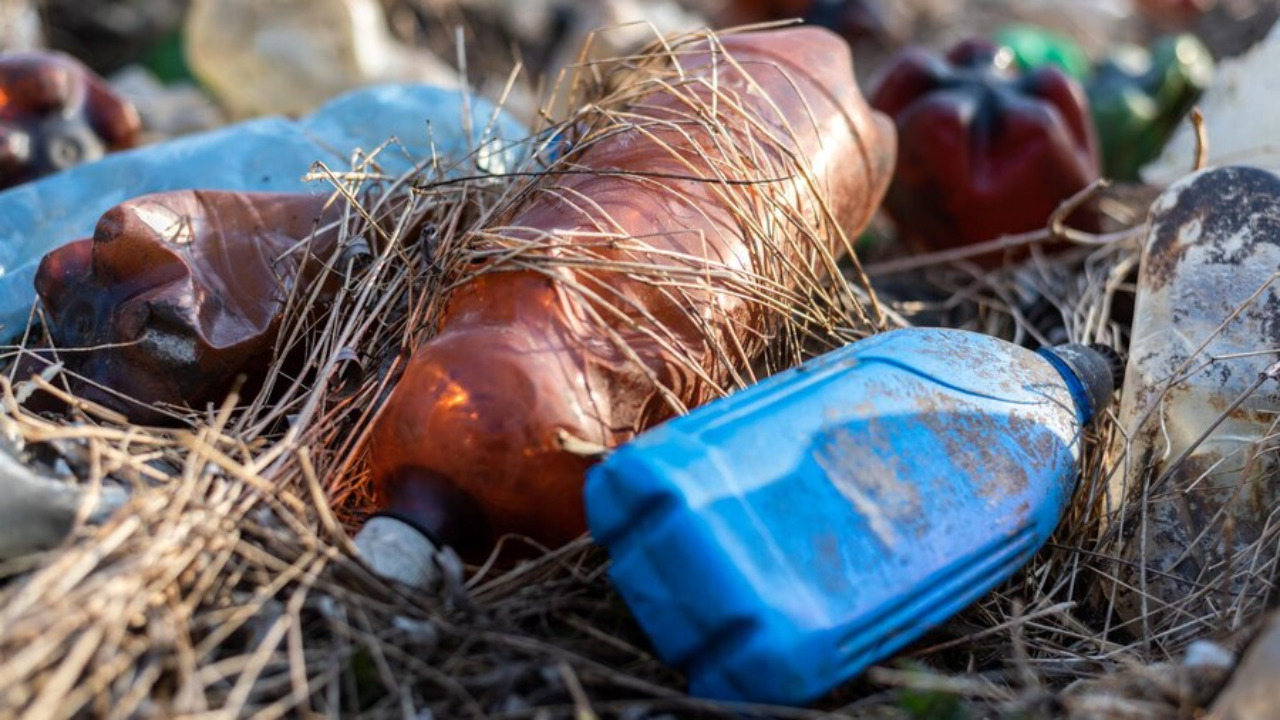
1200,475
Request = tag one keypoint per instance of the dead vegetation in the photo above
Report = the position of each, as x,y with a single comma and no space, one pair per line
228,585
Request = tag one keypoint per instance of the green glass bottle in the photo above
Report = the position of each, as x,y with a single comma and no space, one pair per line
1138,97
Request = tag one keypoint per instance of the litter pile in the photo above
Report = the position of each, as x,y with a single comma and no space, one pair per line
474,359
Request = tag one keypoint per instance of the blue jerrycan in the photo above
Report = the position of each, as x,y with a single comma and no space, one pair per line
776,542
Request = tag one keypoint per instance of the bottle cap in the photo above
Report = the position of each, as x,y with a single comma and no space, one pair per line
1098,369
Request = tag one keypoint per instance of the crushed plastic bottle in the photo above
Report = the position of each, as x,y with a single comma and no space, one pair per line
265,155
55,113
775,543
1199,478
290,56
471,445
177,294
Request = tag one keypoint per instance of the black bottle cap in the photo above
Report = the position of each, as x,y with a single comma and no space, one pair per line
1099,368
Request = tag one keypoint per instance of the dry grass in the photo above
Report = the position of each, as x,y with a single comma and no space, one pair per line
228,585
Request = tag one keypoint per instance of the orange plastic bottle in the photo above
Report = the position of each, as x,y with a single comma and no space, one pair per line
471,444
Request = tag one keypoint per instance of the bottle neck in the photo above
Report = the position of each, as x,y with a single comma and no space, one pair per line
438,509
1092,372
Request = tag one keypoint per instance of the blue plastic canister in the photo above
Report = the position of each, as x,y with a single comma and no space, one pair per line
775,543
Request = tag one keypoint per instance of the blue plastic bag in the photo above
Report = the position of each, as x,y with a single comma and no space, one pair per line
268,154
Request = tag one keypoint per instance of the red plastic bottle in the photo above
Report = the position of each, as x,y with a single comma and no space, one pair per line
985,150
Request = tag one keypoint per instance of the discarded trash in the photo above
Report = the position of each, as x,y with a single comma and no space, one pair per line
36,513
1139,97
176,294
535,362
270,154
1198,408
19,26
1251,693
167,110
985,151
1240,121
290,56
837,511
573,32
1034,47
109,34
56,113
852,19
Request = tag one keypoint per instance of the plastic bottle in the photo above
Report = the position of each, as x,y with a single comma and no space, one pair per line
986,150
1198,482
1034,47
265,155
55,113
1138,97
774,543
472,443
1239,116
289,56
176,294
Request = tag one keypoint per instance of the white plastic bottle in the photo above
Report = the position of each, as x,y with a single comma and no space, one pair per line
1193,498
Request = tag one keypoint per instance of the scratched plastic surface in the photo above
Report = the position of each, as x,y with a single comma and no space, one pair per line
1201,476
266,155
775,543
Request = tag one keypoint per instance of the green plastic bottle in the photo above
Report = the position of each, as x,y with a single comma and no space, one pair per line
1138,97
1034,47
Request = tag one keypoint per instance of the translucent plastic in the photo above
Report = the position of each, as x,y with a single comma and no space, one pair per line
1200,475
271,154
176,294
290,56
472,444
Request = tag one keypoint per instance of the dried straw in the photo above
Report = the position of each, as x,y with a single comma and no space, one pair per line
228,585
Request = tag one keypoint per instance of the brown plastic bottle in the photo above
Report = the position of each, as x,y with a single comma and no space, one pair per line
56,113
471,443
178,293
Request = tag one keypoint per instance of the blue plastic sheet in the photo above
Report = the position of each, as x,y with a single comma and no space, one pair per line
269,154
